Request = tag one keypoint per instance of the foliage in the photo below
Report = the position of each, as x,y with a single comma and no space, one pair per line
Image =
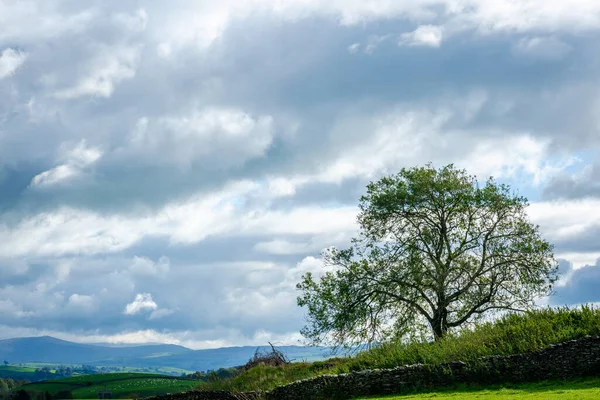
574,389
7,384
434,250
510,334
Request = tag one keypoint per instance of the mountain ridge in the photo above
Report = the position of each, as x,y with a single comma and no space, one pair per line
48,349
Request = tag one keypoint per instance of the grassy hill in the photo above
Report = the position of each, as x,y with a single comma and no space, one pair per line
512,334
122,385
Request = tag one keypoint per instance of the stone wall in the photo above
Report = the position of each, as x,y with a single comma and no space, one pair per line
208,395
566,360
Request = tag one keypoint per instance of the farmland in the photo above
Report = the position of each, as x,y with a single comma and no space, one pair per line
16,372
122,385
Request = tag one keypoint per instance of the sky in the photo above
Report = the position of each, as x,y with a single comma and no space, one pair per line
169,170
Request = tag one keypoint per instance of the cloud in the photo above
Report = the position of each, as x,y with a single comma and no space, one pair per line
353,48
206,152
76,161
278,246
160,313
29,21
81,302
213,137
145,266
546,48
584,183
111,66
424,35
10,61
143,301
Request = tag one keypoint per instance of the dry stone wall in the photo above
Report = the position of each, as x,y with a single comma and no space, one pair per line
208,395
566,360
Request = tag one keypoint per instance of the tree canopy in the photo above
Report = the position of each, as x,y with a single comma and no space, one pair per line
435,251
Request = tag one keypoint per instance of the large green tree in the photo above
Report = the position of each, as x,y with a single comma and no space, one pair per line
435,250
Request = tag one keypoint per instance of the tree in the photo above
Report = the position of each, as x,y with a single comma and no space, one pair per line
5,363
435,251
3,386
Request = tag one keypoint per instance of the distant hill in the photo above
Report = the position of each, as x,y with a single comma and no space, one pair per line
224,357
51,350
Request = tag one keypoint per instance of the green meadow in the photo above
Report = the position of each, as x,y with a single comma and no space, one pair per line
579,389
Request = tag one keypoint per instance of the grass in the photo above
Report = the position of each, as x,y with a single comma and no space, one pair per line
511,334
123,385
578,389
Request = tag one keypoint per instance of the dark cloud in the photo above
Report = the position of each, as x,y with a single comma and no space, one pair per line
567,186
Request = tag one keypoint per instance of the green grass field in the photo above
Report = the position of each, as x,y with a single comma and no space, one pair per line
16,372
579,389
123,385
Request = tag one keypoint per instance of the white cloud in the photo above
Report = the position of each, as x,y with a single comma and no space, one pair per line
75,161
81,302
579,259
28,21
53,175
279,246
282,187
145,266
215,137
142,301
566,218
160,313
353,48
424,35
110,66
200,24
136,21
374,41
404,136
547,48
10,61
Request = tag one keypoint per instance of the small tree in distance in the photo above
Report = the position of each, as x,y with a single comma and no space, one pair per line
435,251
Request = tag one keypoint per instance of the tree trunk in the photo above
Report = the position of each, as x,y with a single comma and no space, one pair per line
438,324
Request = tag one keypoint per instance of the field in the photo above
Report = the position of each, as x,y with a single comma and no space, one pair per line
122,385
16,372
580,389
15,368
